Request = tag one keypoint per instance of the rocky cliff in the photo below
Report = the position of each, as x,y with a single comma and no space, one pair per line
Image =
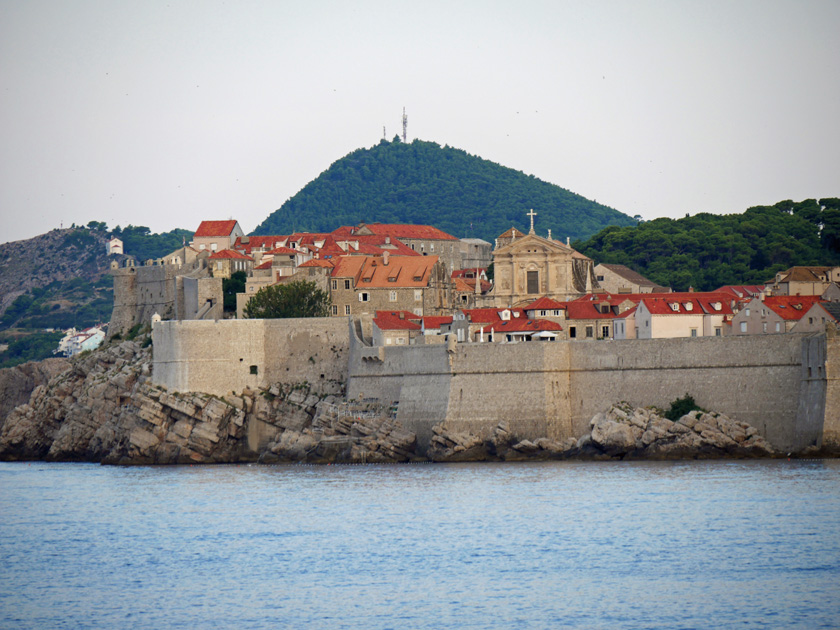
102,407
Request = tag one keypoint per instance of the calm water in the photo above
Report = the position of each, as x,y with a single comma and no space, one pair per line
549,545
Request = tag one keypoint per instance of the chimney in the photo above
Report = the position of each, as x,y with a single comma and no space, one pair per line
402,314
385,255
691,289
549,235
568,244
387,240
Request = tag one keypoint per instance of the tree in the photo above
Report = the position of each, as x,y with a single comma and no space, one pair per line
230,287
295,299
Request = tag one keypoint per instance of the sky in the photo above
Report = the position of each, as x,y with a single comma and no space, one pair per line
166,113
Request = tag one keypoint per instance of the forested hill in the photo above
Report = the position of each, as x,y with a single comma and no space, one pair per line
706,251
423,183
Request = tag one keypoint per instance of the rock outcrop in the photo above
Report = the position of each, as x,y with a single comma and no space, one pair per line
103,407
17,383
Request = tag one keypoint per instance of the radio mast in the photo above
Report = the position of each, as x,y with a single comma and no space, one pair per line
405,125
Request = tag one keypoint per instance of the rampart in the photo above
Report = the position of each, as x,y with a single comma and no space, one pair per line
218,357
787,386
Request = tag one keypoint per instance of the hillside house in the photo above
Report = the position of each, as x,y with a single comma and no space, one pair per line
115,246
215,236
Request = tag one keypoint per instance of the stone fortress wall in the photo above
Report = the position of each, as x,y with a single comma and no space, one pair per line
168,290
787,386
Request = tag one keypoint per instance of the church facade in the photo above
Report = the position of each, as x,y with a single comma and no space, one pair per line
528,266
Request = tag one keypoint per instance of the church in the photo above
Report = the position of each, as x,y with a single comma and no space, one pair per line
528,266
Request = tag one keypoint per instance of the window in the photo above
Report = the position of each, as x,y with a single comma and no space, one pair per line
589,332
717,331
431,247
400,341
572,332
533,282
335,309
743,327
747,311
392,296
364,296
253,369
335,285
213,247
542,313
418,295
202,247
346,284
605,332
418,311
346,309
693,332
778,327
600,278
764,327
389,341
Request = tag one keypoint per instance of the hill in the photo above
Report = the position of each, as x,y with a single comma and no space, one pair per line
707,251
424,183
60,280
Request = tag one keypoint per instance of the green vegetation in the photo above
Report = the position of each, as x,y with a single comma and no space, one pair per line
230,287
75,303
424,183
32,347
682,406
139,242
707,251
295,299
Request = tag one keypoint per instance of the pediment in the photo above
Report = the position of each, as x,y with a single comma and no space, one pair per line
533,243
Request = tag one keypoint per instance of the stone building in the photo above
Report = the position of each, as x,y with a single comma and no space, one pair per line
622,279
771,314
366,284
529,266
423,239
216,235
226,262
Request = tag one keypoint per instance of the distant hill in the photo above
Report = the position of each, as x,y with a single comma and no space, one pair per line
706,251
424,183
60,280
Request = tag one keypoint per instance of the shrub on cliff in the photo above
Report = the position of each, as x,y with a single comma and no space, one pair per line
682,406
295,299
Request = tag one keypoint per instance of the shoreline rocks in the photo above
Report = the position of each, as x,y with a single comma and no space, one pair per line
102,407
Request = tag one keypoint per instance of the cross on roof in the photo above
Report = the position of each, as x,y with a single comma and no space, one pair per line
531,214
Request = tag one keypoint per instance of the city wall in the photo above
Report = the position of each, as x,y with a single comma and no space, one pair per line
787,386
218,357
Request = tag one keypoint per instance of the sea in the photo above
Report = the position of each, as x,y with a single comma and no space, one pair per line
694,544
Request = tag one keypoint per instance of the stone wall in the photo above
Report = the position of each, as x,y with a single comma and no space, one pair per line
217,357
775,383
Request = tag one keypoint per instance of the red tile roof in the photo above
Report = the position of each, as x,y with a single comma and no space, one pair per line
525,325
215,228
391,320
265,265
257,242
398,230
431,322
545,304
467,285
790,307
372,272
317,263
688,304
491,315
230,253
473,271
280,251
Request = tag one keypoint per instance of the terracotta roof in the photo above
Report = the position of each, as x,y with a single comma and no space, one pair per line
280,251
689,304
392,320
790,307
317,263
265,265
509,233
741,291
372,272
398,230
631,276
473,271
230,253
215,228
545,304
246,244
467,285
524,325
490,315
431,322
804,274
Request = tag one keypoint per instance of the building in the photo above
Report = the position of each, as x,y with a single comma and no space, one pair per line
821,317
226,262
803,281
398,328
772,314
622,279
529,266
426,240
115,246
216,235
683,315
366,284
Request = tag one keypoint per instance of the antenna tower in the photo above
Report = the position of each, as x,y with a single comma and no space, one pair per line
405,125
384,137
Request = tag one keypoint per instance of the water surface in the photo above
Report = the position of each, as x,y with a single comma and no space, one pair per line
740,544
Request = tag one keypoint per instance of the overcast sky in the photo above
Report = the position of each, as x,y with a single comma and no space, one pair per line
166,113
